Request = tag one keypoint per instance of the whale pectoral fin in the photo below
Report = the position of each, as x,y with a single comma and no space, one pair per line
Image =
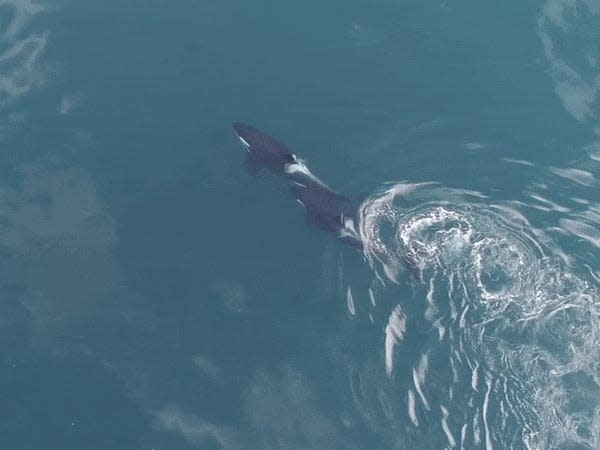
311,217
252,164
296,190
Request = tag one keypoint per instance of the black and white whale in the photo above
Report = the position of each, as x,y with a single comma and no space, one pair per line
325,208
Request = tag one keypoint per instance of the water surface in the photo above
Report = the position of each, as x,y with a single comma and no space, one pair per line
156,296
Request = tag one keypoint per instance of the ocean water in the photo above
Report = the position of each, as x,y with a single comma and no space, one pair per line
155,295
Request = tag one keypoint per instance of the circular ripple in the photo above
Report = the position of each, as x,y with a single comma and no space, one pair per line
515,323
490,249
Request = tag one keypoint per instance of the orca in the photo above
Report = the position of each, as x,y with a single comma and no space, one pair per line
325,208
264,152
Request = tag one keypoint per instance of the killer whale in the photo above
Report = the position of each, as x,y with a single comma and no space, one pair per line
264,152
325,208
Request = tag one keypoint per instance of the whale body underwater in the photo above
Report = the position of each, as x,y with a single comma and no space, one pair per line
325,208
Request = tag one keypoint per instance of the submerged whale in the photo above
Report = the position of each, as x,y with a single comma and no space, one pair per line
325,208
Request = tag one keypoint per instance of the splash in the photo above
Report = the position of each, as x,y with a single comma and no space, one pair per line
515,332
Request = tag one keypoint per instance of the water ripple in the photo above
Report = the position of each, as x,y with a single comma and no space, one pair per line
518,327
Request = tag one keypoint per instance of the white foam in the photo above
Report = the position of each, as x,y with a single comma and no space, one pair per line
476,429
488,439
553,206
412,412
440,328
350,301
446,428
579,176
372,297
475,377
498,276
475,145
419,379
518,161
463,436
582,230
394,334
593,150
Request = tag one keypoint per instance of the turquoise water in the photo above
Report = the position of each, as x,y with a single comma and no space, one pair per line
154,295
